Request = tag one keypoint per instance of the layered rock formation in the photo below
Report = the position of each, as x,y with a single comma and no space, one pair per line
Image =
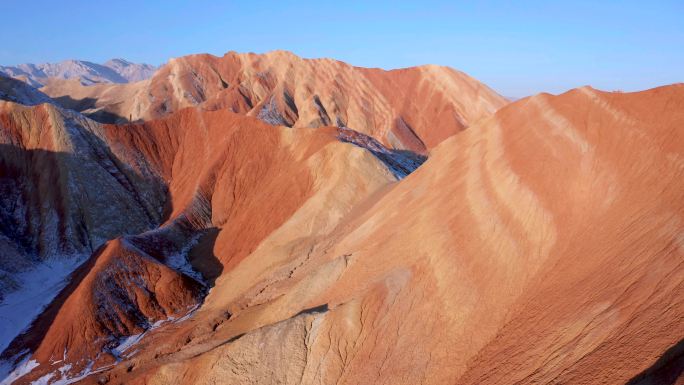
65,190
408,109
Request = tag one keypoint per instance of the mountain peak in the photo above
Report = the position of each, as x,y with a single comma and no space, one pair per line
118,61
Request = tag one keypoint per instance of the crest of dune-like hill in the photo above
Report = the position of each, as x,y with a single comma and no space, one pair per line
408,109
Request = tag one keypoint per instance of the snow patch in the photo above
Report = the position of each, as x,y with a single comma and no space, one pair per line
179,260
269,114
187,316
126,343
400,162
39,286
63,379
25,367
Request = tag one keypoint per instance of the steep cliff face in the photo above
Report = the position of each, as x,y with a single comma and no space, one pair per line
498,261
410,109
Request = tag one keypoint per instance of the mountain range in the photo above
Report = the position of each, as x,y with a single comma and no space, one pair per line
268,219
85,72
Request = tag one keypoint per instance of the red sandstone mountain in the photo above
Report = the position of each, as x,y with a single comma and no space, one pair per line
230,181
542,244
539,246
413,108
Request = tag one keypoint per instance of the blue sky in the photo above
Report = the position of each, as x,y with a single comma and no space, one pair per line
518,48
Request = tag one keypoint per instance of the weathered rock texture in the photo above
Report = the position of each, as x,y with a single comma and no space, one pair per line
412,109
65,191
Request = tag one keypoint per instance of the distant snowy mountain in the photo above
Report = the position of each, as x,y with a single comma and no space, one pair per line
113,71
132,72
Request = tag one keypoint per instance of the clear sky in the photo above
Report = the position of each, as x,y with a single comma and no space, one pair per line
518,48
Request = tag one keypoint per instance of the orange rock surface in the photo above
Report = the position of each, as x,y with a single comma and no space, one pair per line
542,244
413,108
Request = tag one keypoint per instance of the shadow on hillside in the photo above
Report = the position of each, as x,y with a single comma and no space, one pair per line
48,185
30,339
37,199
203,259
666,371
85,104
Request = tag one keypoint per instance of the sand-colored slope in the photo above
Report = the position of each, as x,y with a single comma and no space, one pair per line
543,245
414,108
